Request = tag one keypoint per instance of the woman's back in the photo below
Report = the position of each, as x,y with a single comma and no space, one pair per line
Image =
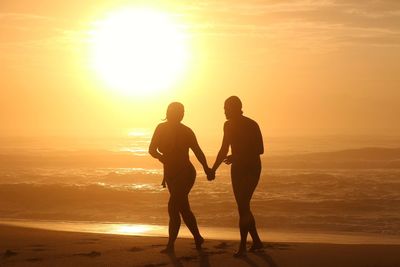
173,141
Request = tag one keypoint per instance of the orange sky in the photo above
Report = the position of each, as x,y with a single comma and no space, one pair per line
301,67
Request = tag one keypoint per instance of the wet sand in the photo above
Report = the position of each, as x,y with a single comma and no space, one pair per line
35,247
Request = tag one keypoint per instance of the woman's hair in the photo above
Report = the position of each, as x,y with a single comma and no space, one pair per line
175,112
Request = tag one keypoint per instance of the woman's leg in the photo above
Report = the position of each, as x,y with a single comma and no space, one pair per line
257,243
184,207
190,221
174,223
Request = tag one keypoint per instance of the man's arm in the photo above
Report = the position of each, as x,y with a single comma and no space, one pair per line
259,140
223,151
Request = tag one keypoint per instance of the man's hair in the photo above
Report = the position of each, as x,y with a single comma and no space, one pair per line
234,103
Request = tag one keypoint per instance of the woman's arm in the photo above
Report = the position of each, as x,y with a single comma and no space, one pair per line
200,156
153,148
199,153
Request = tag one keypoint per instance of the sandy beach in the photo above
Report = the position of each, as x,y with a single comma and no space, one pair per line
34,247
132,127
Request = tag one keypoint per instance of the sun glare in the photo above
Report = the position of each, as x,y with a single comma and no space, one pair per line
139,51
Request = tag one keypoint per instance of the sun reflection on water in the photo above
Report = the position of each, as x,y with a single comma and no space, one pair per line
92,227
136,229
133,229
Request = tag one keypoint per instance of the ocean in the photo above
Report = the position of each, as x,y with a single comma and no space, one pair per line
122,187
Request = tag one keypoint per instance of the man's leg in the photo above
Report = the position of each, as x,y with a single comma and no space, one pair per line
253,182
242,198
243,187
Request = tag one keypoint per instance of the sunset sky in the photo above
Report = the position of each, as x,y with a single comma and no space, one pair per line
301,67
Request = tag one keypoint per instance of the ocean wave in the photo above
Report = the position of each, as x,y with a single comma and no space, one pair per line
366,201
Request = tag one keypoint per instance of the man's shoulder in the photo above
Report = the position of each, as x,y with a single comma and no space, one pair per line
250,121
227,125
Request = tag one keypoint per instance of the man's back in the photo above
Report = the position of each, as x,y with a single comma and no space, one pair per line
245,138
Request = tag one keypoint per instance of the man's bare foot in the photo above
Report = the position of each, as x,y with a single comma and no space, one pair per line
199,242
241,253
168,250
259,246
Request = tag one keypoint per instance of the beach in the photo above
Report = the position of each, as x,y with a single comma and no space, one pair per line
122,122
21,246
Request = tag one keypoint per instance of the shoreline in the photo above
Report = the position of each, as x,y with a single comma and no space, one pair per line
36,247
215,233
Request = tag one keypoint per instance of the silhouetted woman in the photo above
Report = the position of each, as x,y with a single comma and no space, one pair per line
170,145
244,137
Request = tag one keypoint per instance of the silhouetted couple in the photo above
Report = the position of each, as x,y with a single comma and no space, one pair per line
170,144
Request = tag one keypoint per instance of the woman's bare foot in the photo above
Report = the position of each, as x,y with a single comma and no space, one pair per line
199,241
259,246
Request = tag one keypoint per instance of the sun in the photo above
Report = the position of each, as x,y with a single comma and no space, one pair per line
139,51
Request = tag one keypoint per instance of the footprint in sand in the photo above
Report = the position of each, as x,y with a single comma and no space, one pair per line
88,241
202,249
34,259
188,258
39,249
217,252
37,246
135,249
222,245
91,254
157,245
156,264
278,246
9,253
91,239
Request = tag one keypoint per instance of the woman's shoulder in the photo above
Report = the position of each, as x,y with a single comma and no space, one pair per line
161,126
185,128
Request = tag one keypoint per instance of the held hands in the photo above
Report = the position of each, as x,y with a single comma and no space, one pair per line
210,173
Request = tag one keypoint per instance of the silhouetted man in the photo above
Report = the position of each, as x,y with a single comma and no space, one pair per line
244,137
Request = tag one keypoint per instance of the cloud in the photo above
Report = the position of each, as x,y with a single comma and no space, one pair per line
22,17
35,31
29,41
325,24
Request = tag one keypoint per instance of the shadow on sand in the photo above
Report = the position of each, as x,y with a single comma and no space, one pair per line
203,258
261,254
